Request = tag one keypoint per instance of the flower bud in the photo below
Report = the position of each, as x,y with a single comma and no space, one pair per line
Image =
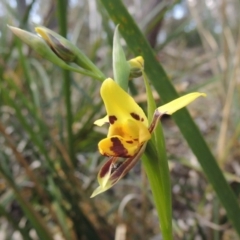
58,44
58,50
136,67
67,51
39,45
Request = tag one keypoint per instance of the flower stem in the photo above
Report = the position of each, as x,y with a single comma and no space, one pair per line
156,166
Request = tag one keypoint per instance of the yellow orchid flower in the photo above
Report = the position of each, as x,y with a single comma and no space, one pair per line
129,131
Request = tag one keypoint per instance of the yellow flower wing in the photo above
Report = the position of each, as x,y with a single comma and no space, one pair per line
179,103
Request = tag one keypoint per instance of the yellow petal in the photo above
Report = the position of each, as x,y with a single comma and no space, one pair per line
43,33
119,104
137,62
179,103
136,67
101,121
130,129
117,146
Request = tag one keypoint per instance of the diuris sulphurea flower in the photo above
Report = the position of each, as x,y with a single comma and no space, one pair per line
129,131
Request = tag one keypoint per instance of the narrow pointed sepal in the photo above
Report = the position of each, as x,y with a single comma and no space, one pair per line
172,107
179,103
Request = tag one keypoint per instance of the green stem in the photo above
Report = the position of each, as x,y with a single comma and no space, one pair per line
156,166
153,170
62,18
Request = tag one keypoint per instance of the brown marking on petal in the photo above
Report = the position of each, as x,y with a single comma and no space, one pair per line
118,148
112,119
135,116
129,141
142,119
135,139
126,165
105,168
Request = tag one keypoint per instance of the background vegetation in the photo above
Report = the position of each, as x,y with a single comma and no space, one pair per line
48,169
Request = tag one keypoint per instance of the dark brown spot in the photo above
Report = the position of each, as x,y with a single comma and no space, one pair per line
129,141
142,119
112,119
135,116
118,148
135,139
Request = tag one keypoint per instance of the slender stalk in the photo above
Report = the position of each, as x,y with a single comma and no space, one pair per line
62,19
156,166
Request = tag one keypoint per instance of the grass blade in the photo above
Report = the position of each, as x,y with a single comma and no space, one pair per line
62,18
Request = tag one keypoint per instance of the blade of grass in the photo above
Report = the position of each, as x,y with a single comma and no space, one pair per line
30,82
10,83
62,19
163,86
46,82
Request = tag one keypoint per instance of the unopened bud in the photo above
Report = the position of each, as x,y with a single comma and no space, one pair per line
39,45
66,50
136,67
59,45
58,50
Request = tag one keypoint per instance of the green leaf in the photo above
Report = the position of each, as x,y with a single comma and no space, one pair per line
163,86
120,65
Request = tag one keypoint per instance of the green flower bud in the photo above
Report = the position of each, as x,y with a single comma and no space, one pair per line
59,45
39,45
67,51
59,52
136,67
